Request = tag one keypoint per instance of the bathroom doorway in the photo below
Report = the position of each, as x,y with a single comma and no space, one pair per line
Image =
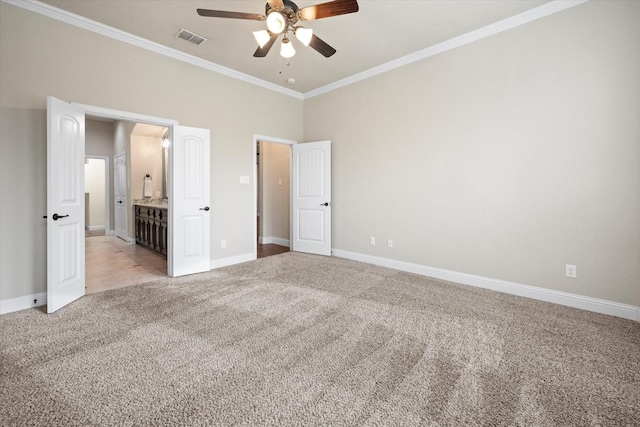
112,258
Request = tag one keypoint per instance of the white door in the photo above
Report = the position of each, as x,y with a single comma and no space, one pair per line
311,198
189,191
65,204
120,196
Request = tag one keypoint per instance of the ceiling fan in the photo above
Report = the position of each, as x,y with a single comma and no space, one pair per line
282,17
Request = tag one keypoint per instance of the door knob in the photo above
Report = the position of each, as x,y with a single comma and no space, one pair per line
324,204
206,208
56,216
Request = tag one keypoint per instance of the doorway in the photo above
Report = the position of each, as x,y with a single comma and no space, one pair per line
112,257
188,205
96,195
273,196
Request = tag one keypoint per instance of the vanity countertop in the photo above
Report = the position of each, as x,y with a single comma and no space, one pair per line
152,205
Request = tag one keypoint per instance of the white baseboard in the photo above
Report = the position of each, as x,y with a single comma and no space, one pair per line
596,305
274,240
225,262
279,241
94,227
28,301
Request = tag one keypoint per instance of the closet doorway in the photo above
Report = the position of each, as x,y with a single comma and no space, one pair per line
273,194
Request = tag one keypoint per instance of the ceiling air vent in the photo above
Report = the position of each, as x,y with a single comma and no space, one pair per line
190,37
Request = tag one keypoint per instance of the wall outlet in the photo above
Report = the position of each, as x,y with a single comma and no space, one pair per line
389,243
372,240
223,243
571,271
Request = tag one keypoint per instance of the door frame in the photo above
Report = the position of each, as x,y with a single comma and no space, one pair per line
126,196
262,138
107,193
108,113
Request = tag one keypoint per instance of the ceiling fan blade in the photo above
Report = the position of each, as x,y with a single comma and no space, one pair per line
234,15
326,10
276,4
261,52
321,46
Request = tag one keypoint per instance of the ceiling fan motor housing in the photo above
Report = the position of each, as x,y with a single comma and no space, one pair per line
290,11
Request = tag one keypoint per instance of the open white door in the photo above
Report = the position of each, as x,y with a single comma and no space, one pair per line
120,196
311,198
189,233
65,203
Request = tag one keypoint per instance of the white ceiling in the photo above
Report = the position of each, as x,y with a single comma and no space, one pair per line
382,31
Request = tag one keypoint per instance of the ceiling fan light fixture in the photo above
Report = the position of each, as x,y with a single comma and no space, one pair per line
262,37
276,22
304,35
286,49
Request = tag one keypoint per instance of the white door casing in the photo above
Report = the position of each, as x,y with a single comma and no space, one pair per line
311,198
120,196
189,191
65,204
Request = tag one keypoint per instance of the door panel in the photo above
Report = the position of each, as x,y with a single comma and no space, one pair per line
120,197
65,204
311,198
190,192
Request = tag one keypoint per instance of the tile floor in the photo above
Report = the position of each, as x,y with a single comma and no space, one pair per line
112,263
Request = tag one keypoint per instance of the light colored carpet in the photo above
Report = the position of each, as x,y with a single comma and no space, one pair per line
297,339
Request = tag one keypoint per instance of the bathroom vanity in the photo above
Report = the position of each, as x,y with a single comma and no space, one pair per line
151,226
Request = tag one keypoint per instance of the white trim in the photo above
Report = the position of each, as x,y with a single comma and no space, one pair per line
109,113
114,33
481,33
94,227
281,242
492,29
225,262
274,240
596,305
28,301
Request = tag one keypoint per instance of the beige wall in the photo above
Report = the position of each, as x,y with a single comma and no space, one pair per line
80,66
506,158
146,158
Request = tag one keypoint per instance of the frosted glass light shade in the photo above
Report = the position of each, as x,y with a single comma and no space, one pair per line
276,22
287,50
262,37
304,35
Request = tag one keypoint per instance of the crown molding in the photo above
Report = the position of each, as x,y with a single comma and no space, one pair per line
547,9
105,30
481,33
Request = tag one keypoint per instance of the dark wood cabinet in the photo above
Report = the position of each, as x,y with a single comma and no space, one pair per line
151,228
